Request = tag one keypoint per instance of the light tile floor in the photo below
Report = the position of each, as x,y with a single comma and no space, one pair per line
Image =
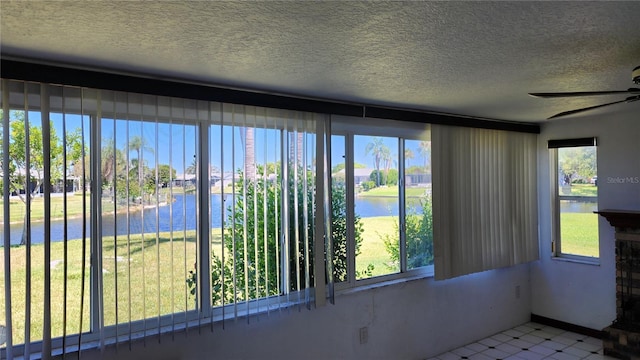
530,341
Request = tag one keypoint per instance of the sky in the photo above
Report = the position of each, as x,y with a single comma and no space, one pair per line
176,143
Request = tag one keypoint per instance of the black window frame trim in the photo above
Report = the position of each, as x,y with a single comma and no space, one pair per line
38,71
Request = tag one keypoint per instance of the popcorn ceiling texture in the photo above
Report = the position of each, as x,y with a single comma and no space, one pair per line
470,58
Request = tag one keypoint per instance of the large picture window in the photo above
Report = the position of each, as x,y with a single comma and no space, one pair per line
128,215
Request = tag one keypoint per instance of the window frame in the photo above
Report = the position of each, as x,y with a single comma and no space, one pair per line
402,131
98,335
557,197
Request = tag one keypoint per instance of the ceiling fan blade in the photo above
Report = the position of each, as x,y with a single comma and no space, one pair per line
584,93
629,99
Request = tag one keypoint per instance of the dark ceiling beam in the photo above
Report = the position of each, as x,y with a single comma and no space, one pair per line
54,74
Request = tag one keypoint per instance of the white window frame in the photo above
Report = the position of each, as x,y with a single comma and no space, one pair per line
556,197
350,127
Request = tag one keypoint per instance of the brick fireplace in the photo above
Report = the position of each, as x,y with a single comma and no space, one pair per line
622,338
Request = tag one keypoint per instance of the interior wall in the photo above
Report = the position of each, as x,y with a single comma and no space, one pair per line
406,320
577,293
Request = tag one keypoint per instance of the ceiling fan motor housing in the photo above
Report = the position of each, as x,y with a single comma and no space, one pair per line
635,75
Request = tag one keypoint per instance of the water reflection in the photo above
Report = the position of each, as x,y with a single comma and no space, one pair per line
578,206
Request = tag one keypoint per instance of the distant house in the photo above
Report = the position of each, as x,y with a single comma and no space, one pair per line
184,180
417,179
359,175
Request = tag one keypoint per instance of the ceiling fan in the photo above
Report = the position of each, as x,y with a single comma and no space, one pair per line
635,95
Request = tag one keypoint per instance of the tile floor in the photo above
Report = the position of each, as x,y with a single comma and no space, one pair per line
530,341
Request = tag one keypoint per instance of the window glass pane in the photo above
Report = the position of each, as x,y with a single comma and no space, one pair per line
149,201
375,177
418,220
27,226
262,202
578,199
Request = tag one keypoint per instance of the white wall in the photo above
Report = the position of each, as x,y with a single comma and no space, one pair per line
410,320
578,293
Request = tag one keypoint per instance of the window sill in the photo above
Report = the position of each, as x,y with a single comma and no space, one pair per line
577,260
375,283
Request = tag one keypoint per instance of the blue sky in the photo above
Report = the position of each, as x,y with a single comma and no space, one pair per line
176,143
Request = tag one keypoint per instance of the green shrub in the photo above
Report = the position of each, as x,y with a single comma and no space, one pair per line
419,237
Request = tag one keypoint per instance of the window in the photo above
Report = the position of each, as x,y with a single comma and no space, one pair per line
381,181
128,215
575,189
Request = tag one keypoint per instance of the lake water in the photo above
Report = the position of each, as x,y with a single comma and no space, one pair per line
183,213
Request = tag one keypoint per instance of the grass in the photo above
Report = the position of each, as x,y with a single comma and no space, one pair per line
156,268
579,234
393,191
372,250
159,286
74,208
583,190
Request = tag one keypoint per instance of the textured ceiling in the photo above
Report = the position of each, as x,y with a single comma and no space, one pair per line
470,58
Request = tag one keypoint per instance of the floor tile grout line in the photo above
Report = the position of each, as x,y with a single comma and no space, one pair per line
521,331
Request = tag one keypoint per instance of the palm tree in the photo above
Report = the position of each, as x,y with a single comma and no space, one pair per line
425,151
112,161
248,137
377,148
388,159
408,155
139,145
191,169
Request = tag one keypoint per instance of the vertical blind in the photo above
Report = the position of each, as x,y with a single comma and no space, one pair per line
484,199
127,216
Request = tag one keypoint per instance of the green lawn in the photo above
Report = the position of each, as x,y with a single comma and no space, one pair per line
579,234
164,273
17,208
171,255
583,190
393,191
372,250
166,266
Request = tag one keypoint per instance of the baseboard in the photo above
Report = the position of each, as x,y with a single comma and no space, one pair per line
598,334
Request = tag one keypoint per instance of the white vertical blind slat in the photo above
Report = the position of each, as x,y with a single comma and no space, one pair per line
6,218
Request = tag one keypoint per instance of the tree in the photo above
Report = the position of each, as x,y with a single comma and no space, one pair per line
165,174
339,232
341,166
258,282
249,152
418,236
388,159
77,154
192,168
408,155
138,144
377,148
30,178
577,163
424,149
113,163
